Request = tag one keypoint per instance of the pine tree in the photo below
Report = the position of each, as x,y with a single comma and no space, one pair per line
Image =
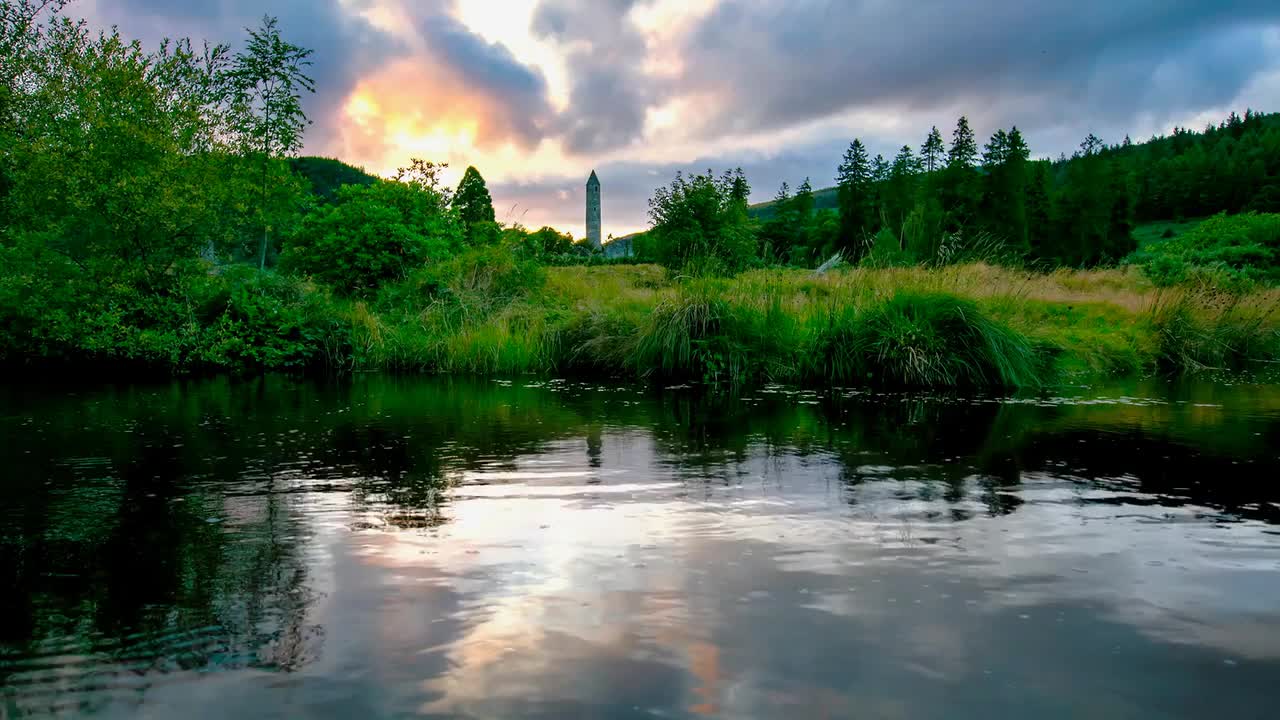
782,201
932,151
901,190
879,169
997,150
474,206
854,197
959,186
1038,211
964,149
1091,145
1004,212
779,234
803,202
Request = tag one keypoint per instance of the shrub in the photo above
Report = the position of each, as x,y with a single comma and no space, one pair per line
700,224
372,234
1225,249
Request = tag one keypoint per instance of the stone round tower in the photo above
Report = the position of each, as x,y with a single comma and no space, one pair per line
593,210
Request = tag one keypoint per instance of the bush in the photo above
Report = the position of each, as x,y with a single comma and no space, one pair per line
371,235
701,226
1228,250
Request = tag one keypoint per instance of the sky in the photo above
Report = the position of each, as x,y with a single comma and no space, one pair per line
537,93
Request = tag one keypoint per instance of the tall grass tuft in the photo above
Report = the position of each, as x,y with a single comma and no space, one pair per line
1200,329
682,337
931,340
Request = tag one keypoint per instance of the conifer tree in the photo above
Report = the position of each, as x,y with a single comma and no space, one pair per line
779,233
959,187
803,201
474,206
879,169
931,152
901,190
854,198
964,149
782,201
1004,195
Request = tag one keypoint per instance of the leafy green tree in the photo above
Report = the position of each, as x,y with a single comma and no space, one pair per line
1039,211
268,79
700,223
1092,209
549,242
474,206
376,233
855,198
803,202
739,188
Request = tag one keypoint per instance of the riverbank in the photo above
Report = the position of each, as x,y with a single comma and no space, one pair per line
487,314
971,325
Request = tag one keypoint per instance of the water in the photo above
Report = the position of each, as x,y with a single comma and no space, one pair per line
419,548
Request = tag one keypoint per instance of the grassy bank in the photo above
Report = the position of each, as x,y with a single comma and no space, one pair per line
485,313
971,325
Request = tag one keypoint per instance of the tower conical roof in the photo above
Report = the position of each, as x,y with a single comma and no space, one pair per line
593,180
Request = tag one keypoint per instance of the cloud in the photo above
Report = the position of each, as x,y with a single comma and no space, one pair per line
772,64
641,88
520,108
604,53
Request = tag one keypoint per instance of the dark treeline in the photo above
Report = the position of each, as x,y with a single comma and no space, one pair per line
926,202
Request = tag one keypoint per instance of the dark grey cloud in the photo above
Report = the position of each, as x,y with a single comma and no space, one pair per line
609,92
778,63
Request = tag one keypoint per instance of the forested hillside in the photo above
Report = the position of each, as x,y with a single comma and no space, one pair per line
326,175
1072,210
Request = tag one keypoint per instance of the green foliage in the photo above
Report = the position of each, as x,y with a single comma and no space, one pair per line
1229,249
547,242
700,223
937,340
792,234
931,152
856,198
1077,211
354,245
474,207
1004,200
266,82
327,175
372,234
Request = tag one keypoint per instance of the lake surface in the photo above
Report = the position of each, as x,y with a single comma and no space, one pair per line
393,547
